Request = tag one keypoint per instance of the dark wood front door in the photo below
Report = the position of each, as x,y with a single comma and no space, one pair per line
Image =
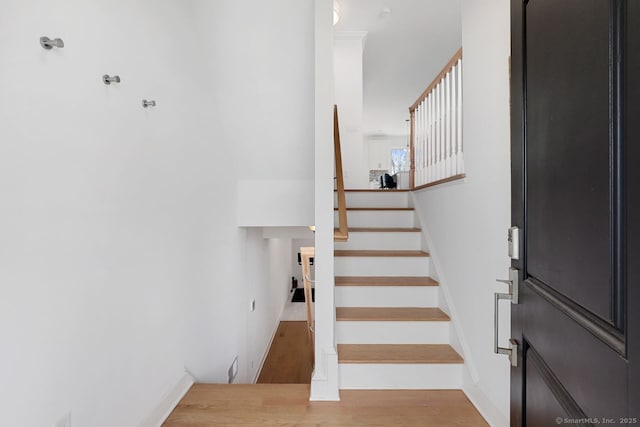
575,163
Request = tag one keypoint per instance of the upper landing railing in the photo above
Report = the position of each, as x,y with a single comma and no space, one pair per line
436,129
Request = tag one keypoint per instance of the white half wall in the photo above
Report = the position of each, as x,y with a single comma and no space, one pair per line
467,221
261,61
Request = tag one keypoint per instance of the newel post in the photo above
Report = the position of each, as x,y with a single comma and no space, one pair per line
412,175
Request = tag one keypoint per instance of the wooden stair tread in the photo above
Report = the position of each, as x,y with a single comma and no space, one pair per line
339,237
379,253
393,314
374,190
398,353
384,230
378,209
384,281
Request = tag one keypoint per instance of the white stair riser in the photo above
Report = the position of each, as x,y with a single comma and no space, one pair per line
381,266
386,296
381,241
388,332
378,219
400,376
386,199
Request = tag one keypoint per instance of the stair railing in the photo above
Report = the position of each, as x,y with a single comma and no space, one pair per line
436,129
342,233
306,253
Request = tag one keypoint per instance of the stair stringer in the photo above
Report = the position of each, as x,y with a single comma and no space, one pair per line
457,340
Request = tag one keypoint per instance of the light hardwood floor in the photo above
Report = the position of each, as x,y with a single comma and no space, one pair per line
289,358
289,405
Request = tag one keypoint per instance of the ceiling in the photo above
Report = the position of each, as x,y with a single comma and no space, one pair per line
408,43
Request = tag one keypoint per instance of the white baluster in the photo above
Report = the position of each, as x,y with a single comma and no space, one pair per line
444,127
432,101
425,165
447,158
415,147
420,162
429,137
421,143
440,129
454,123
417,144
420,146
423,113
460,118
423,158
434,134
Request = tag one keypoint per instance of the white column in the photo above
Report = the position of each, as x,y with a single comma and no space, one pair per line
324,381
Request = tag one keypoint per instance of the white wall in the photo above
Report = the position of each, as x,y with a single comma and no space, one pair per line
468,221
348,82
261,57
378,149
121,262
271,257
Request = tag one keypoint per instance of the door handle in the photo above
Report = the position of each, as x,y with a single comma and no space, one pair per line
512,295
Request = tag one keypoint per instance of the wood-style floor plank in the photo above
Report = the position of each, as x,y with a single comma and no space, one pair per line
374,190
397,353
384,230
379,209
289,358
380,253
288,405
384,281
402,314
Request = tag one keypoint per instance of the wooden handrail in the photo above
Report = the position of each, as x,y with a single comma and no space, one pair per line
306,254
342,234
452,62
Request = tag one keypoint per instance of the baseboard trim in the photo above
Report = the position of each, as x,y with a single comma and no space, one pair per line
266,352
168,402
483,404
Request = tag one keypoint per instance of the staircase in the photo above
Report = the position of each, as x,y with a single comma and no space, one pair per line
390,331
